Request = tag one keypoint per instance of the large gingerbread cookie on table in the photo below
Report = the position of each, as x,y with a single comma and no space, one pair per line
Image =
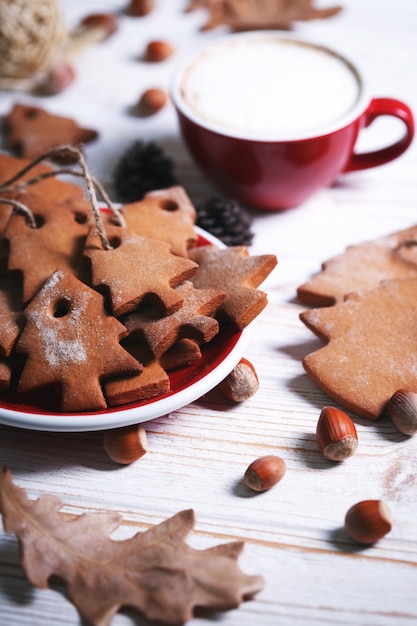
362,267
371,345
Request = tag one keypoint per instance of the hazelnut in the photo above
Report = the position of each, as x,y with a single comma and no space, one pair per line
264,472
106,22
58,79
241,383
336,434
151,101
402,409
368,521
158,51
125,445
138,8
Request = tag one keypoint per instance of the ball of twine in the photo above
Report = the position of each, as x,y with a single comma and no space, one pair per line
32,36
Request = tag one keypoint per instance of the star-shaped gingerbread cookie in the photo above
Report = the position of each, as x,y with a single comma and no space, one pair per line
50,188
194,320
56,242
167,215
232,270
137,268
31,131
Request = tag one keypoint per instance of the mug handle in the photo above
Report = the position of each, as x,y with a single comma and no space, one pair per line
377,108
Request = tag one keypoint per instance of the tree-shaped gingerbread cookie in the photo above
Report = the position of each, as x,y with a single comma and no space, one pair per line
72,343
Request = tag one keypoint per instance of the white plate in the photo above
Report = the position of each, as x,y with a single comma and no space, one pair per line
218,359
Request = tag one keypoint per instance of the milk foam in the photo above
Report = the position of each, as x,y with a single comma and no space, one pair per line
270,86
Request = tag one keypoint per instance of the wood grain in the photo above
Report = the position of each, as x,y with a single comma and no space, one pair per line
197,456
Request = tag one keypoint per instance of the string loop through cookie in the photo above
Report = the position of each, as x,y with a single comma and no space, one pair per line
91,185
21,208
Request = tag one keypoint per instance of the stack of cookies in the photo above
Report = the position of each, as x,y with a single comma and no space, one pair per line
99,315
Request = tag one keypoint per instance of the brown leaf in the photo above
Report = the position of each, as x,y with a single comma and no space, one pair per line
259,14
154,571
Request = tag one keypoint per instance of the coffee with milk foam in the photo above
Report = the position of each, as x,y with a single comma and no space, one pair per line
270,87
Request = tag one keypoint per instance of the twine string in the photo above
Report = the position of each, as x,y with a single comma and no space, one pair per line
91,192
91,183
21,208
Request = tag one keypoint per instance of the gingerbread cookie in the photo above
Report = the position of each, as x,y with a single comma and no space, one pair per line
72,343
166,215
31,131
62,338
183,353
50,188
135,269
57,239
11,317
363,267
193,320
153,380
150,382
370,346
5,374
238,274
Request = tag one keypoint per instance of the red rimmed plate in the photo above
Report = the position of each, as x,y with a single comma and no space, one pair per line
188,384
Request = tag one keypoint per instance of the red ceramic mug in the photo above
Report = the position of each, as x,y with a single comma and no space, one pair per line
271,119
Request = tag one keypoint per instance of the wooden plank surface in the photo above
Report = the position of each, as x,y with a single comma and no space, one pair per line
197,455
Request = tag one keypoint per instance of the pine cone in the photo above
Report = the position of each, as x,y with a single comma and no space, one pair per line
227,220
144,167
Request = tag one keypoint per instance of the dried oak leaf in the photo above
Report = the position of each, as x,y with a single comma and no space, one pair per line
370,346
155,571
259,14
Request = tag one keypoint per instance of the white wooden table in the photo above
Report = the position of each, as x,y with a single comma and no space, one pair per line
293,534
